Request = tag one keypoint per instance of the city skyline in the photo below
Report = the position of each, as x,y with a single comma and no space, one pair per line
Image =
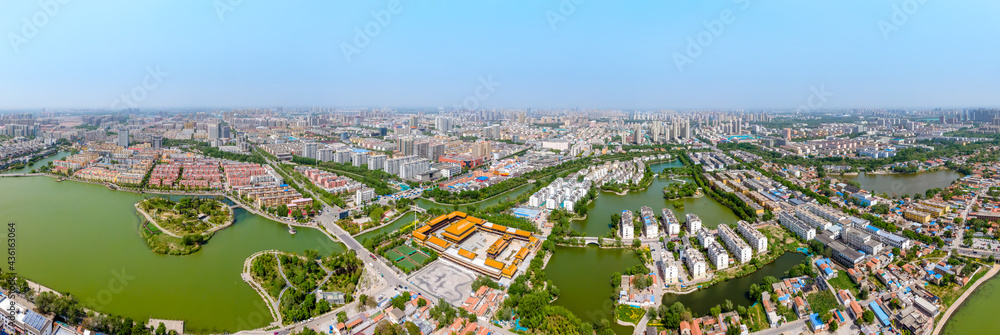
590,55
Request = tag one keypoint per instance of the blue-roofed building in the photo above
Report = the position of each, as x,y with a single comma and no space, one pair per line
527,213
816,324
826,268
879,313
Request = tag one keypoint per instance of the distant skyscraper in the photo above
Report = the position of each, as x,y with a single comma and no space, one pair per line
443,124
436,151
213,131
423,150
157,142
788,134
123,137
405,146
310,150
482,149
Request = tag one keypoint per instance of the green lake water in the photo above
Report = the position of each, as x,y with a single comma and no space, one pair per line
735,289
40,163
583,276
83,239
906,183
598,221
978,314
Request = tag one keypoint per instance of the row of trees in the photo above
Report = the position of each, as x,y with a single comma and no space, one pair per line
68,310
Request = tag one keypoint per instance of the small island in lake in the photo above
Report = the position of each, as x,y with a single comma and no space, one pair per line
181,227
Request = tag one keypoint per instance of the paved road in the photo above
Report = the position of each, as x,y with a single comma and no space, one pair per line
393,279
965,217
795,327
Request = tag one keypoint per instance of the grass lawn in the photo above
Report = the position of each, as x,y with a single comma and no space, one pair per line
822,301
406,264
393,255
843,282
419,257
629,314
405,249
757,320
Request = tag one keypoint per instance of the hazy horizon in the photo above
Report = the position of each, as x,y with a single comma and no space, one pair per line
587,54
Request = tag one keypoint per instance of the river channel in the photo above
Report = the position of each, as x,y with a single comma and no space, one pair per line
735,289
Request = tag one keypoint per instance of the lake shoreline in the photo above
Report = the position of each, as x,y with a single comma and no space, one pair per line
134,265
961,300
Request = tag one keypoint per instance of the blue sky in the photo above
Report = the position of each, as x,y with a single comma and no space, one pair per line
600,54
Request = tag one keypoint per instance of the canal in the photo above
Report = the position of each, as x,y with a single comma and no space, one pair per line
905,183
83,239
511,194
734,289
977,315
598,221
583,276
40,163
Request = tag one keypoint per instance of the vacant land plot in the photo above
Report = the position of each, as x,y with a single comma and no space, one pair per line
445,280
844,282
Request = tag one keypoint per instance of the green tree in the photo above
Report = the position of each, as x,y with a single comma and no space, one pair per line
868,316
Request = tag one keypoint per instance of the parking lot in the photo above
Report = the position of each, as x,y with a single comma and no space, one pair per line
985,244
444,280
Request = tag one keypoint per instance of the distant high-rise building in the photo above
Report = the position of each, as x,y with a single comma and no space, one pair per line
123,137
376,162
405,146
788,134
157,142
310,150
413,121
436,151
213,131
422,150
482,149
225,131
443,124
